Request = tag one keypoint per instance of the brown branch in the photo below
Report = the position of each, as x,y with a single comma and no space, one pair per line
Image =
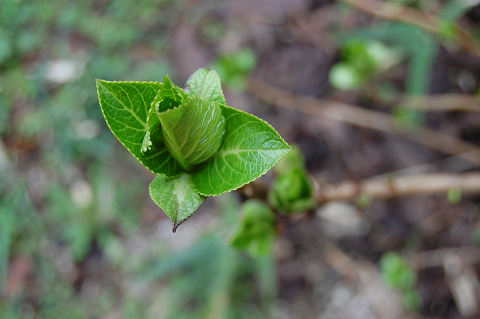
357,116
392,11
442,103
468,183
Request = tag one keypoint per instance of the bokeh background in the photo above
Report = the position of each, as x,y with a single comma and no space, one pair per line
80,237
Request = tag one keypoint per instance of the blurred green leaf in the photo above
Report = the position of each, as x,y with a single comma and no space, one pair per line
28,41
454,9
412,299
205,248
454,195
449,13
257,230
8,311
407,119
292,191
7,229
79,235
14,204
396,272
10,10
267,276
418,45
361,59
365,56
345,77
108,32
5,47
234,68
208,280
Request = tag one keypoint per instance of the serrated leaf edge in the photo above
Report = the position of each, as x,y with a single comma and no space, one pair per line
257,176
218,81
101,108
221,105
174,225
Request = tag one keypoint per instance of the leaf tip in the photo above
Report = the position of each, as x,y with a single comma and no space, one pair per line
99,83
175,226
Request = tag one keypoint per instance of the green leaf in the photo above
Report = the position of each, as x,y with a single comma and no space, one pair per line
193,132
292,191
397,272
176,197
125,106
292,160
249,149
206,83
257,230
454,195
453,10
343,76
234,68
169,96
412,300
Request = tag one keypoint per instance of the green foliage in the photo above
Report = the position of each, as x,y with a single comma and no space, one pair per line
411,299
206,281
125,106
396,272
60,124
399,275
407,41
210,279
115,39
171,131
250,147
292,191
257,231
176,196
234,68
361,59
345,77
454,195
7,229
449,13
199,140
206,83
407,119
475,236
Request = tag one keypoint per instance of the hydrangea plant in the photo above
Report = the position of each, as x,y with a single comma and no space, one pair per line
292,192
195,143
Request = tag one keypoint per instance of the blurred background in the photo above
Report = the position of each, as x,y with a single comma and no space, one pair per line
393,86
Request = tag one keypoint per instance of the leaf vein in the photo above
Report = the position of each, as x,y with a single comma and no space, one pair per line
129,109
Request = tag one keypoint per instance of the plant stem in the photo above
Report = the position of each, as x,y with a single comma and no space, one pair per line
400,186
